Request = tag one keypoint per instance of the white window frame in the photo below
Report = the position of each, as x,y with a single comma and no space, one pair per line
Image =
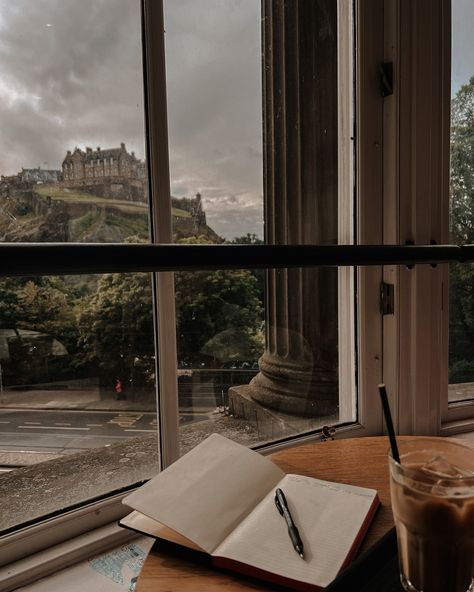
360,323
160,190
416,209
422,143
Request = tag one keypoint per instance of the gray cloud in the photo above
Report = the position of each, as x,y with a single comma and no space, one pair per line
71,74
462,44
214,98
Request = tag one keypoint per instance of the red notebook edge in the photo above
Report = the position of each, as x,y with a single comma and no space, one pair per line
264,576
376,503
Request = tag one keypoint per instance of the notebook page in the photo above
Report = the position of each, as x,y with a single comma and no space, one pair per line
328,517
208,491
141,523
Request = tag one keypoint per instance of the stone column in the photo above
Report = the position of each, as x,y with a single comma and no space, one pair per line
298,371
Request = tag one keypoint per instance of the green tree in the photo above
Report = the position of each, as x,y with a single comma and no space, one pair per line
461,329
40,304
462,165
10,306
247,239
116,329
259,274
219,314
219,318
43,305
210,303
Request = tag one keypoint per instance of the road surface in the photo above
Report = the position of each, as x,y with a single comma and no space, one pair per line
68,431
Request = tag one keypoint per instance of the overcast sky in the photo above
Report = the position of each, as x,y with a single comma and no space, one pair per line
71,75
462,43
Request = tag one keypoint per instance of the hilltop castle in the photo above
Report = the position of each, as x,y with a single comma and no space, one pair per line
99,166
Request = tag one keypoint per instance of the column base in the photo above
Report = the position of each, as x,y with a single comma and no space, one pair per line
269,423
296,388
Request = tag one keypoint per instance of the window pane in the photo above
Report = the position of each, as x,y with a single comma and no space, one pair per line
215,115
258,355
77,359
77,372
461,342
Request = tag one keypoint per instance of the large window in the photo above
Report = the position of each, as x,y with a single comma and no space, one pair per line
284,123
258,355
461,363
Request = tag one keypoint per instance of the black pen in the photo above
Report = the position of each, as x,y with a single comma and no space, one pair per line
282,506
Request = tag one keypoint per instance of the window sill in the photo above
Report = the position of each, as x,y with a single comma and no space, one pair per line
48,503
55,558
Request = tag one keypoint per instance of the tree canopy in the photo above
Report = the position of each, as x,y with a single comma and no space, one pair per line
461,328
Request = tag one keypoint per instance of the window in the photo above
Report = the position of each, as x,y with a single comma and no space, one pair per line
461,221
416,338
287,349
216,195
68,342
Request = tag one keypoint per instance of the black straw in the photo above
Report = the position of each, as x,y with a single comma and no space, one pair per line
389,423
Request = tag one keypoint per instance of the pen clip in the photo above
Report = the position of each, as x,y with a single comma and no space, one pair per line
278,505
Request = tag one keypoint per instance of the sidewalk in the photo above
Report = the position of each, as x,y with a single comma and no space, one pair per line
86,398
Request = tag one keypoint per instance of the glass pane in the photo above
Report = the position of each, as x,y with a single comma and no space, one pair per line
258,355
461,323
77,360
77,373
215,117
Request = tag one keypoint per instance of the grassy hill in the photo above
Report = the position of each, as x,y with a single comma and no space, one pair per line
73,215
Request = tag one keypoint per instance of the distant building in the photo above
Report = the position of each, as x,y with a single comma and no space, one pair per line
193,205
96,166
39,175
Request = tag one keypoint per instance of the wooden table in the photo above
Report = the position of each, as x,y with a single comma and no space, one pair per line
357,461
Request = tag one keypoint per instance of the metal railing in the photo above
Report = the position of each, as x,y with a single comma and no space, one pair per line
71,258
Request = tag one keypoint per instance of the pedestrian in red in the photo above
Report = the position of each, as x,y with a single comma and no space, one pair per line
118,389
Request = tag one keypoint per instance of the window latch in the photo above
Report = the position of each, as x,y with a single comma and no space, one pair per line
327,433
386,79
387,299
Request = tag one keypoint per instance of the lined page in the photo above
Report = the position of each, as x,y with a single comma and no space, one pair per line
208,491
328,516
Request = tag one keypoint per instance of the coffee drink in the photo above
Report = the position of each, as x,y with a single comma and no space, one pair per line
432,494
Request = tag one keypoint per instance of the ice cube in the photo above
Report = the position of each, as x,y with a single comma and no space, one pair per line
440,467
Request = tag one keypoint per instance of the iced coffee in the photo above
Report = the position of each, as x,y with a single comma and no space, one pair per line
432,492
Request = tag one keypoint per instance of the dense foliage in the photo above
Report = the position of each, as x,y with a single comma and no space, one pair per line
106,324
461,346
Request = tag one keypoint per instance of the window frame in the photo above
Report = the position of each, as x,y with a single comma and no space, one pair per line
156,122
416,211
378,137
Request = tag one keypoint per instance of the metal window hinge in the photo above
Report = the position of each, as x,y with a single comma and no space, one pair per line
387,299
386,79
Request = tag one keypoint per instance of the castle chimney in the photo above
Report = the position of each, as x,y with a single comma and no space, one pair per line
122,145
133,154
98,148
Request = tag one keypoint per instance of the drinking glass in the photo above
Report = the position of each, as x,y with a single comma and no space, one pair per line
432,492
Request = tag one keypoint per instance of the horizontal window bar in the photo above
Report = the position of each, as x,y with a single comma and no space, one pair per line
71,258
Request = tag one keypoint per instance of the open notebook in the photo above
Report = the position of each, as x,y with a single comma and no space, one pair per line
219,498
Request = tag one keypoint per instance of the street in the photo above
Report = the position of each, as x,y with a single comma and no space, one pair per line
68,431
